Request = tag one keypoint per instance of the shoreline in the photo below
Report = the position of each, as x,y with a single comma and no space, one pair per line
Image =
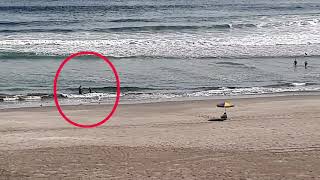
179,99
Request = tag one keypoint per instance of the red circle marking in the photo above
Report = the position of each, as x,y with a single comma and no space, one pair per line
55,87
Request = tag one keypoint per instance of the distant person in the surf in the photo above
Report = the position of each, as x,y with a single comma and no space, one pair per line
295,62
305,64
90,90
80,89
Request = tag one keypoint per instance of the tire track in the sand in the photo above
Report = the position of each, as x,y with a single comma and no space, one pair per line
198,158
126,126
104,162
117,154
294,149
7,175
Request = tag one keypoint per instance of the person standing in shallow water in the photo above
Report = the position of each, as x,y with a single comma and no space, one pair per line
90,90
80,89
295,62
305,64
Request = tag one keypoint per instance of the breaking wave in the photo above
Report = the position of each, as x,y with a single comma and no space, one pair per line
158,93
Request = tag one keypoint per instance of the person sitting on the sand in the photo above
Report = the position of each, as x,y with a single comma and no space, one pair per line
224,116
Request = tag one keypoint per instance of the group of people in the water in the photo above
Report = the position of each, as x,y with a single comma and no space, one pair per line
81,92
295,62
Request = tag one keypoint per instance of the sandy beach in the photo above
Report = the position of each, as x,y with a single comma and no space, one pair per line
265,138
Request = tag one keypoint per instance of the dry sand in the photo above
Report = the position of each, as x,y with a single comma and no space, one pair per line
265,138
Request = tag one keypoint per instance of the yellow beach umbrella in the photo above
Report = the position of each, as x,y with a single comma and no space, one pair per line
225,105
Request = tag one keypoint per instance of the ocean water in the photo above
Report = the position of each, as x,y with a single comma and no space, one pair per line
162,49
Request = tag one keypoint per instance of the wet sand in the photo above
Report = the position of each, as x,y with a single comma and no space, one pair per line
265,138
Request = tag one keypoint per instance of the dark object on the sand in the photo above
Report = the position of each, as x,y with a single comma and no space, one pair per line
80,90
224,116
216,119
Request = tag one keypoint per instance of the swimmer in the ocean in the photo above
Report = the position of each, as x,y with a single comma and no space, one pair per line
305,64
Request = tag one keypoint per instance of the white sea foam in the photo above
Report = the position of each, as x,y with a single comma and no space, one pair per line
22,98
260,43
298,84
11,99
89,95
32,98
251,91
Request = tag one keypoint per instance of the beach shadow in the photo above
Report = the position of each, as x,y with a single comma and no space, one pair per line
210,118
216,119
